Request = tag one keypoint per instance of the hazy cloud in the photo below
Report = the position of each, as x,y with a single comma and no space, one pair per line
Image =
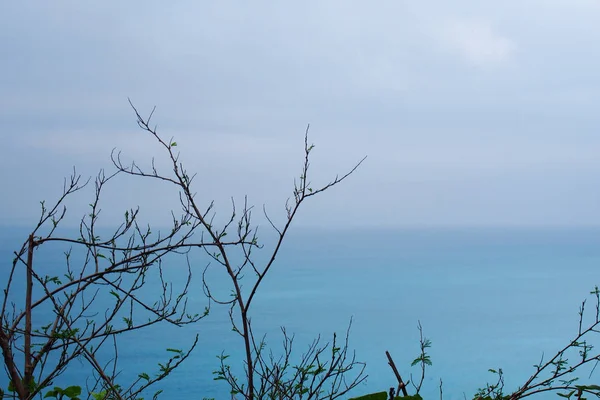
470,113
478,42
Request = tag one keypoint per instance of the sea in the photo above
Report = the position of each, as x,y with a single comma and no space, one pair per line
487,298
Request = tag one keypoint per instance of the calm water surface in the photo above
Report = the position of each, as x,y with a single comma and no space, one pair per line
487,298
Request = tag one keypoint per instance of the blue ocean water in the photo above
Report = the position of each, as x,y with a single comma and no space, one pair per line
487,298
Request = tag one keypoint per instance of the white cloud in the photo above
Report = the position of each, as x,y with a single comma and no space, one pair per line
406,83
477,41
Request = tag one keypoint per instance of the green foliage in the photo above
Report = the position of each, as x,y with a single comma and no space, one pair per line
99,396
71,392
384,396
372,396
493,391
32,386
53,279
423,357
579,390
108,395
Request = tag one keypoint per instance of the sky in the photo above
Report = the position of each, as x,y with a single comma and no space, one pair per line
470,113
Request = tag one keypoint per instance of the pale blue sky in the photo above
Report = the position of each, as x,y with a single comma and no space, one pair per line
470,112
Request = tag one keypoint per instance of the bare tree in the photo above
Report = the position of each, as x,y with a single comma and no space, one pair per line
563,372
262,374
96,296
77,311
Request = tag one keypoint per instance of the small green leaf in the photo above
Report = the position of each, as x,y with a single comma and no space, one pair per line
100,395
72,391
415,397
373,396
567,395
588,387
173,144
175,351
